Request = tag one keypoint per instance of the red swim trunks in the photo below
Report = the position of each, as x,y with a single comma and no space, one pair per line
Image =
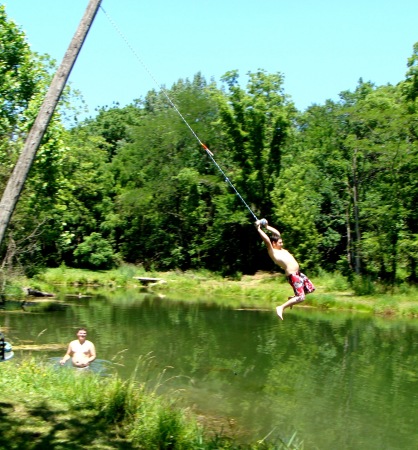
301,285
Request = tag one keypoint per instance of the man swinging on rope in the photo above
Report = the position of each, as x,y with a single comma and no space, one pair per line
300,282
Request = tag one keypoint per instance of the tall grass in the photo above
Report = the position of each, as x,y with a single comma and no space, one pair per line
58,407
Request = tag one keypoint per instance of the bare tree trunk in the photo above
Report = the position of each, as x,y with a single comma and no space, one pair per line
349,239
357,248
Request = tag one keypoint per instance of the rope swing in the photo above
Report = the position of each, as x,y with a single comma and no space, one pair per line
209,153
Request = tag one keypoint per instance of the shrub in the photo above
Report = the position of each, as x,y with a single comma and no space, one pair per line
94,253
362,285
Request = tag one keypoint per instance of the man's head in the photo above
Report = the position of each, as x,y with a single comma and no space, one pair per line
81,333
276,241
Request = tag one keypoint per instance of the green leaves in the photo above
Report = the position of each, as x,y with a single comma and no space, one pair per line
95,253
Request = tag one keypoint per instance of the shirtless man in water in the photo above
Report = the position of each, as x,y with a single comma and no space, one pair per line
80,350
300,282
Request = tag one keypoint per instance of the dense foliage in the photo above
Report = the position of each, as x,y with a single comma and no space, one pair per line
133,184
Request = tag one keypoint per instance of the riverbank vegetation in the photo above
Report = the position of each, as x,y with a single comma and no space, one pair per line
263,290
48,407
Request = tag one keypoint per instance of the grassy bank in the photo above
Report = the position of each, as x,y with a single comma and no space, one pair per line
262,290
59,408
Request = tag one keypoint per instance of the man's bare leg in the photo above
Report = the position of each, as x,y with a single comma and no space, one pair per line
292,301
279,310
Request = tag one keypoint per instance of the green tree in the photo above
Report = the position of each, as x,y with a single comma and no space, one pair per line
410,85
19,74
24,77
257,123
363,151
164,179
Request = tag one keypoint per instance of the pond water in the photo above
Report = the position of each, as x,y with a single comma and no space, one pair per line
340,381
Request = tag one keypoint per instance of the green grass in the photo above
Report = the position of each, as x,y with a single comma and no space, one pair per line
323,301
64,276
58,408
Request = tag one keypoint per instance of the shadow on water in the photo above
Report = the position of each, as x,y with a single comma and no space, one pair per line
341,380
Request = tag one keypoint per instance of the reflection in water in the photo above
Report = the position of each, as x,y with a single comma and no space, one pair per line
340,380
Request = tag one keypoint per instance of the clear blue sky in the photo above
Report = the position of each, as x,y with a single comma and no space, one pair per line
321,47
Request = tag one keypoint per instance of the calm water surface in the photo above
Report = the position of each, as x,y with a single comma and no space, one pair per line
341,381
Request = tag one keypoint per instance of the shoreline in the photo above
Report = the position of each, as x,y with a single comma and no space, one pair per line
263,290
